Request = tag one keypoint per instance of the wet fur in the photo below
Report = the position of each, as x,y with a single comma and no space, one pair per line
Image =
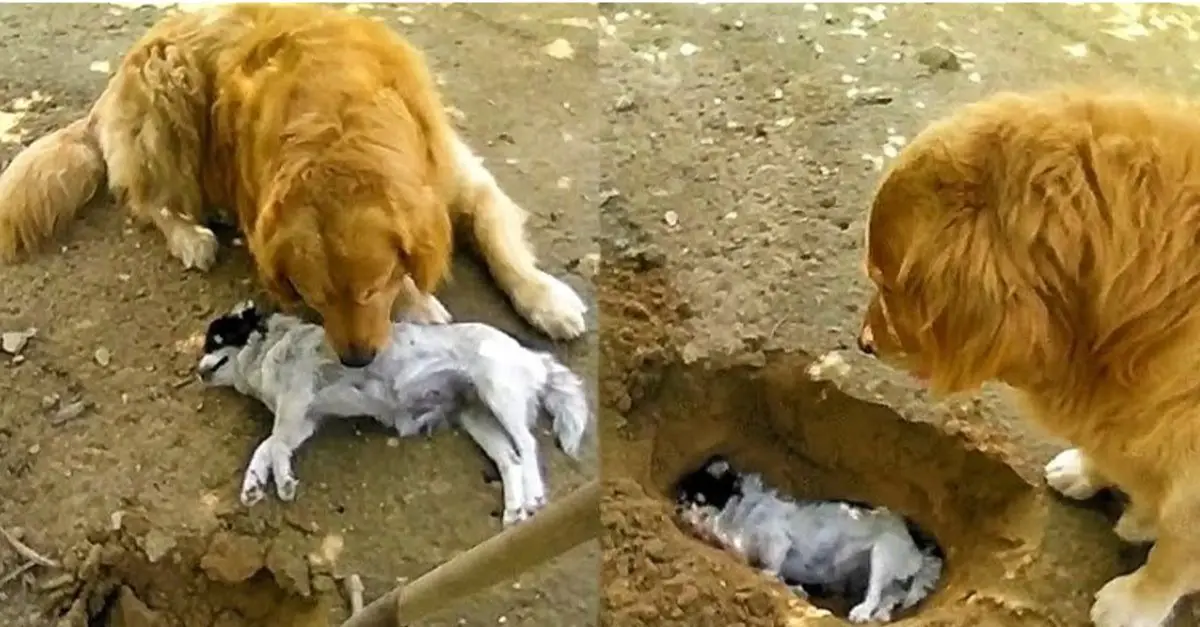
1050,241
322,135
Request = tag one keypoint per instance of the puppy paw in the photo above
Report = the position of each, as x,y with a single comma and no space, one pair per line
253,489
1118,604
1068,474
426,309
285,487
863,613
513,516
194,245
551,306
534,505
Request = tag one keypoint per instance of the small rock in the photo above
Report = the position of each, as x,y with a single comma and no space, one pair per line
156,544
130,611
671,218
232,558
589,265
68,413
939,58
103,357
13,342
687,49
289,570
624,103
559,49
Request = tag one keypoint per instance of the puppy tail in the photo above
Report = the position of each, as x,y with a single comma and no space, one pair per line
925,579
46,184
566,402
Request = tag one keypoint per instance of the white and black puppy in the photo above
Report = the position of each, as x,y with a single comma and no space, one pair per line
842,547
469,375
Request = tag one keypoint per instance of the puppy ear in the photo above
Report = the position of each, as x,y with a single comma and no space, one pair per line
717,466
423,239
242,308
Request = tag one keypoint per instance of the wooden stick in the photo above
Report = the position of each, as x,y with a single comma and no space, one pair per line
558,528
24,551
354,593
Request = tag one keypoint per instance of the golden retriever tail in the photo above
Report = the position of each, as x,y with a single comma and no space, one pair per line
45,186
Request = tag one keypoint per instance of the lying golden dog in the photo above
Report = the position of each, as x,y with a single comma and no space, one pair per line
326,134
1051,241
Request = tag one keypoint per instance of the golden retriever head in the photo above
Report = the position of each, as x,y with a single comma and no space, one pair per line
346,258
968,268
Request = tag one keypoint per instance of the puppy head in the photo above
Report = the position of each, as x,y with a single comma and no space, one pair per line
712,485
960,295
348,265
225,337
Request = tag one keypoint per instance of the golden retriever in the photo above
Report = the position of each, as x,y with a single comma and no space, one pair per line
326,135
1051,241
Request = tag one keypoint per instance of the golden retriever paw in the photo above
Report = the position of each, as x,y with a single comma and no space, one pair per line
1134,529
1118,604
551,306
426,309
194,245
1069,475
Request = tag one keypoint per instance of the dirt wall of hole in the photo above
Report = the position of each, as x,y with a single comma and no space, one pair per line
1013,554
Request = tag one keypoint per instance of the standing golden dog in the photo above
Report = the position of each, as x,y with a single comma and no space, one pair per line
1052,241
327,135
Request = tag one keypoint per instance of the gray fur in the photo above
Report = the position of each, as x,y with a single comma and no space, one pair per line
833,544
465,374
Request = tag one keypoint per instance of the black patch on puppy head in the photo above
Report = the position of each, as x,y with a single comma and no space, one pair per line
713,484
234,329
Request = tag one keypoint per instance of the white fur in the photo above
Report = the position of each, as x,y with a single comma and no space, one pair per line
467,374
1118,605
823,542
1069,474
498,225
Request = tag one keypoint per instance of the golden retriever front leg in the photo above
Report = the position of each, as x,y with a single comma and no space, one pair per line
411,305
150,122
498,227
1147,596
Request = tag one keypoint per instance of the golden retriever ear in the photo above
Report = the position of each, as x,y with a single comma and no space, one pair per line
424,240
976,317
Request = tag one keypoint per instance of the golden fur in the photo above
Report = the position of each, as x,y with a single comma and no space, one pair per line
1052,241
324,134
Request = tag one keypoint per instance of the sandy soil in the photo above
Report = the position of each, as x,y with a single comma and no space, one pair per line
743,145
162,458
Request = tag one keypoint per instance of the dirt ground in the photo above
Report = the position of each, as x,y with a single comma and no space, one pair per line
140,490
742,146
721,159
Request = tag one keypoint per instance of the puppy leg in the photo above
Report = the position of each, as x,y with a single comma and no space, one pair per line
512,404
418,308
1147,596
498,226
496,445
151,122
1073,475
258,473
890,560
273,458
